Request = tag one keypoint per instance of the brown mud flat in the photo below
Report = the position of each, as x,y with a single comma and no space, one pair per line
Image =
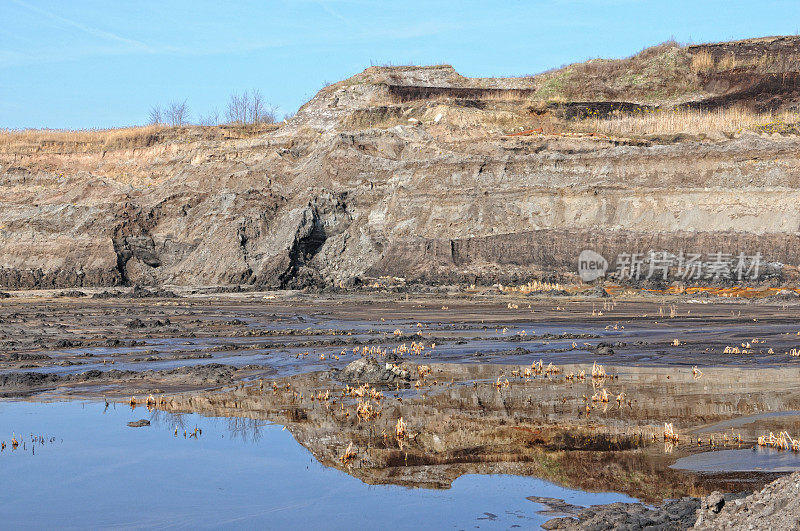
467,403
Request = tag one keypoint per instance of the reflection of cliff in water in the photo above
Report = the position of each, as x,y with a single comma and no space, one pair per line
538,427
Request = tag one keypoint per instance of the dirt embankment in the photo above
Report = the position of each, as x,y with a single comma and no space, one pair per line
776,506
773,507
410,172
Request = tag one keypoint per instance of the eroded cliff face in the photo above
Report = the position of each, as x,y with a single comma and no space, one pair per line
430,189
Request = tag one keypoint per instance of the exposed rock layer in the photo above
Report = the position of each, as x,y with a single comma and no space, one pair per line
351,188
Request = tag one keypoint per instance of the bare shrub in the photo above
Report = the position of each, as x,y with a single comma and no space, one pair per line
156,116
177,113
210,119
249,108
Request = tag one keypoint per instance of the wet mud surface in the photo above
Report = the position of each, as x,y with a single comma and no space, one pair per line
478,384
288,335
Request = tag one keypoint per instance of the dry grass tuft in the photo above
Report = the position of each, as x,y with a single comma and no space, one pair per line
688,121
348,456
728,62
94,140
86,140
702,61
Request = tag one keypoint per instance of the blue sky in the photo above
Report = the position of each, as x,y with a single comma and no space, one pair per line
88,64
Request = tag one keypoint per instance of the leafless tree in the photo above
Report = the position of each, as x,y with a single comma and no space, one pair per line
177,113
268,115
260,112
212,118
236,113
249,108
156,116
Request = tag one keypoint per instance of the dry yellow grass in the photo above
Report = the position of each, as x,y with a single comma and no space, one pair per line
729,62
689,121
79,140
702,61
91,140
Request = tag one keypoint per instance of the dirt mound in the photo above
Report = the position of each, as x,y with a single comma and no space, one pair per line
411,75
777,506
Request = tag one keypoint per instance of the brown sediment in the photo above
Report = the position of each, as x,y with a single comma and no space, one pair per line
78,334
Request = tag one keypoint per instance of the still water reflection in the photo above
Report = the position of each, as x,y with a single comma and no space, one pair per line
79,465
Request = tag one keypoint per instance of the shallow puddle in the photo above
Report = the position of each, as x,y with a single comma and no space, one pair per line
749,460
95,471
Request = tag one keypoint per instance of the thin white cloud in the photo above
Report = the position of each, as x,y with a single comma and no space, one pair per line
110,44
101,34
18,59
332,12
